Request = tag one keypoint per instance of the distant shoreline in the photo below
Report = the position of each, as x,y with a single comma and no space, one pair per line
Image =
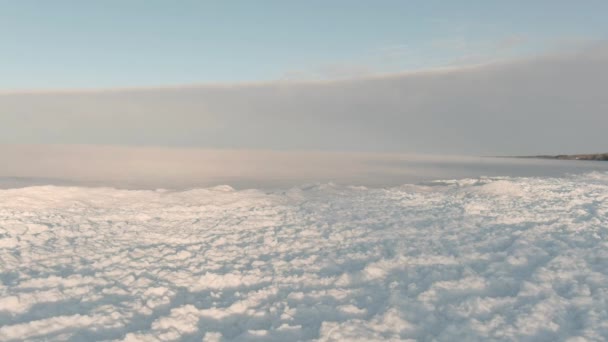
593,157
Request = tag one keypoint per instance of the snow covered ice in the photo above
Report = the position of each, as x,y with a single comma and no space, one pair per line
473,259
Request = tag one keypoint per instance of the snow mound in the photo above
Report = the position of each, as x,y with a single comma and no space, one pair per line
480,259
502,188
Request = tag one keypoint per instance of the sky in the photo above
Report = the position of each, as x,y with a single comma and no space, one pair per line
116,43
470,78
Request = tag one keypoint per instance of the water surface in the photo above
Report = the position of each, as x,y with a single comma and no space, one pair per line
173,168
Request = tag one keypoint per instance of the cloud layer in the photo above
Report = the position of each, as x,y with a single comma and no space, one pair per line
550,104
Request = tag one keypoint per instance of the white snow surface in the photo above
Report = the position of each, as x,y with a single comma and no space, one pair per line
474,259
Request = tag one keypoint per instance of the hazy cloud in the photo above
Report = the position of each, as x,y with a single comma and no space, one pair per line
550,104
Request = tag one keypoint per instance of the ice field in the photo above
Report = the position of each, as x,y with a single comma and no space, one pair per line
472,259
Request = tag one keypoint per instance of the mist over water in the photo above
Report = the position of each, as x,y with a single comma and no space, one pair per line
178,169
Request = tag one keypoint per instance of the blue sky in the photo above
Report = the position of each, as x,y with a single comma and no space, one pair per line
89,44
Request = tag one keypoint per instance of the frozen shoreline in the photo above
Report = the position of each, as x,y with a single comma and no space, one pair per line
486,258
